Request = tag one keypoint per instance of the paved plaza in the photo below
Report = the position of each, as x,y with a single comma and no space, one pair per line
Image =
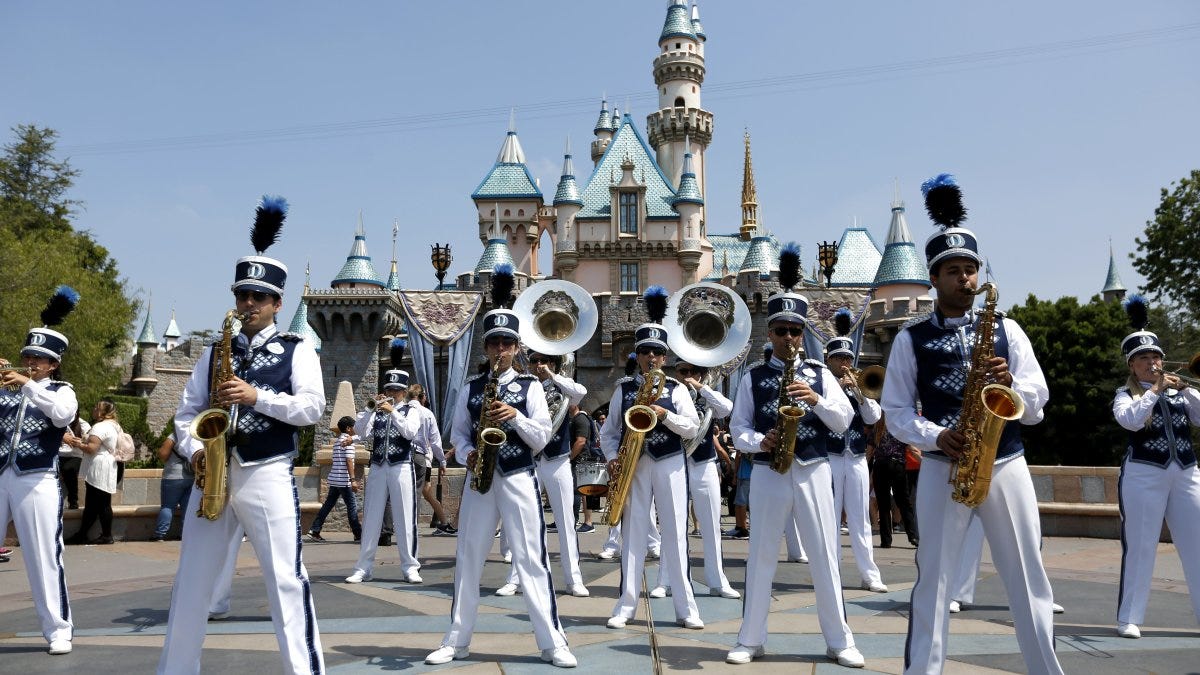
120,594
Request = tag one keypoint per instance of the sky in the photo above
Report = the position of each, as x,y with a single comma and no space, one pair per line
1062,121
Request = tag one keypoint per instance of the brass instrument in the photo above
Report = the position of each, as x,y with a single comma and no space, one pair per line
213,426
557,318
373,403
489,438
788,421
640,419
1190,381
986,409
868,382
27,372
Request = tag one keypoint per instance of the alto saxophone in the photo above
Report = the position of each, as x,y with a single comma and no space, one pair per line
639,420
986,408
490,437
212,426
788,420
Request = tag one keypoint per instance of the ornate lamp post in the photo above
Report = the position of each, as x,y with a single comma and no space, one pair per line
441,260
827,256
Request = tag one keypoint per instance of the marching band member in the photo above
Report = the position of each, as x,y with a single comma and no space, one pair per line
514,497
277,389
704,485
848,455
1158,475
391,425
555,473
804,491
660,477
931,362
36,410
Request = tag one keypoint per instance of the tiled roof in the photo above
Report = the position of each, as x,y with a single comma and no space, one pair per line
605,121
1111,283
172,328
762,256
494,253
858,259
678,23
147,334
689,190
393,282
507,181
358,267
696,27
300,325
568,191
901,264
628,142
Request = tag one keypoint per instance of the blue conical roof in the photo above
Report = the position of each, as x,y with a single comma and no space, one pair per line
172,330
689,189
902,263
300,326
605,121
358,267
495,252
1113,281
393,282
568,190
763,257
696,27
678,23
508,178
146,336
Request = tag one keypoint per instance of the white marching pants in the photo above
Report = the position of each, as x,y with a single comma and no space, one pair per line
962,584
1148,494
852,493
223,592
1014,532
653,536
804,493
263,501
791,536
704,486
515,502
558,478
33,502
664,484
394,481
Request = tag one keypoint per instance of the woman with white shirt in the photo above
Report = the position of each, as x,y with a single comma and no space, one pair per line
99,473
70,458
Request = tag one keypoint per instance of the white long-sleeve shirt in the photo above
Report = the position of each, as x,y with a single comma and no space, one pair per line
300,408
684,421
404,418
900,396
533,428
832,407
571,390
429,438
716,402
60,406
1132,414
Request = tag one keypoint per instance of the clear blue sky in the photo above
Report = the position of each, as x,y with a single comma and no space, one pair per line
1061,120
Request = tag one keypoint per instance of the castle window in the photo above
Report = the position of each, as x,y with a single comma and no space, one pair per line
679,102
507,212
629,277
629,212
520,212
678,45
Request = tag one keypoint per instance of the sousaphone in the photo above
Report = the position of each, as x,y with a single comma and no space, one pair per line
557,317
708,325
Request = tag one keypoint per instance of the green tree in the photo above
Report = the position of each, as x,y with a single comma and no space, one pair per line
1079,349
1169,254
42,250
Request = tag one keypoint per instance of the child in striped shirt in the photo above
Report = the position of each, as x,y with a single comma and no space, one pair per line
341,481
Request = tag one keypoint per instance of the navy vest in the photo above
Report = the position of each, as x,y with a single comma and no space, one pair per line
943,360
36,438
515,455
661,442
387,443
268,367
705,451
1163,441
853,439
560,442
811,432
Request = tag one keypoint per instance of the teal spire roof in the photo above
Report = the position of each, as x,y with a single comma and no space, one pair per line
509,178
1111,283
628,143
300,325
858,259
678,24
568,191
605,123
172,328
615,122
696,27
689,190
762,257
495,252
393,282
146,337
358,268
902,263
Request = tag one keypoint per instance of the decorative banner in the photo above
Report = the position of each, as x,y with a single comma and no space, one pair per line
441,317
820,312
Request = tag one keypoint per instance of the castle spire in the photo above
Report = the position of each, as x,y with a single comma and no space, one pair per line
568,190
1113,290
358,268
901,264
146,336
749,196
299,324
689,190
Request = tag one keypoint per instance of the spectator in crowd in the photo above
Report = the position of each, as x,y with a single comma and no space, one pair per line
891,482
70,458
175,488
99,473
342,484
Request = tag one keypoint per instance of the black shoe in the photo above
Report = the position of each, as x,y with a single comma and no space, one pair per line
101,541
385,540
885,545
158,537
444,530
315,536
551,527
914,542
585,528
77,539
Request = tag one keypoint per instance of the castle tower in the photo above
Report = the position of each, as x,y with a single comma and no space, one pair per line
749,197
678,75
689,202
567,204
299,324
604,133
901,281
1114,290
358,271
510,195
144,379
171,335
393,282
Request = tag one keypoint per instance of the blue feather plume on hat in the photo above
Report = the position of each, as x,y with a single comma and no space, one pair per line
1138,311
268,220
943,201
502,284
397,351
60,305
789,266
656,303
842,322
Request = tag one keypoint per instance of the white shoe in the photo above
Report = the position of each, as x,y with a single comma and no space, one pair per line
1129,630
691,622
606,554
660,592
653,554
727,592
801,559
413,577
358,577
579,591
617,622
955,607
743,654
1058,609
507,590
849,657
508,557
560,656
218,616
60,647
844,530
446,654
875,586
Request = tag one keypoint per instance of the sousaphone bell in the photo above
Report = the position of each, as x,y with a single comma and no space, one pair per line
708,325
557,317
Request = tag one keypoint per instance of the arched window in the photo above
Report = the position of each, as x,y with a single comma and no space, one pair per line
520,212
679,102
507,212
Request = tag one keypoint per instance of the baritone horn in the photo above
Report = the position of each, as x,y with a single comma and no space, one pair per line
869,381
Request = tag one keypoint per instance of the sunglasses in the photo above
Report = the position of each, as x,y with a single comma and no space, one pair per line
781,331
657,351
684,371
258,296
492,342
540,359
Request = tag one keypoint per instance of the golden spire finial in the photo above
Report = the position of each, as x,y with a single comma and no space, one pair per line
749,196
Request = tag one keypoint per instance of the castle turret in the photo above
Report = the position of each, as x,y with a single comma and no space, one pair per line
358,270
749,197
567,204
171,335
299,324
144,379
901,281
689,202
679,73
510,194
604,133
1114,290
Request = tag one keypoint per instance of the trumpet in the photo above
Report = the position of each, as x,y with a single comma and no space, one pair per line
1189,381
19,370
373,403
